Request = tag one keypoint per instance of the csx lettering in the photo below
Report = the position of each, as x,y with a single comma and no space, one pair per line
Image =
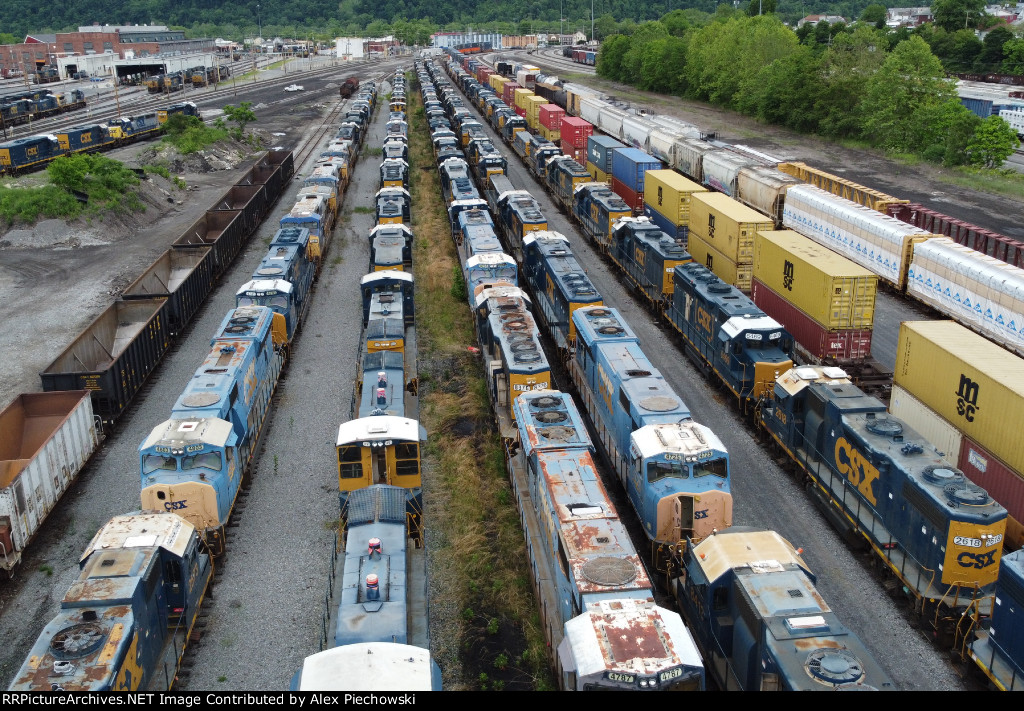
175,505
697,515
704,319
857,469
976,560
967,398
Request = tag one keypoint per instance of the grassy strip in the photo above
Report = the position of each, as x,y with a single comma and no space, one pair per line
190,135
478,548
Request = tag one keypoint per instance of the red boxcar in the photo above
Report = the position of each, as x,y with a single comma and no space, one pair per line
508,93
633,198
821,344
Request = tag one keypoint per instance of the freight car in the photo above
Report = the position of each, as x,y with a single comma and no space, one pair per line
590,582
761,623
349,87
127,621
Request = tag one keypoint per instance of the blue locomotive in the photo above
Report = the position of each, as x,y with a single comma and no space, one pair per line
590,580
457,181
726,333
998,648
559,284
876,478
598,209
283,280
751,602
195,462
392,206
379,640
518,214
125,622
563,177
648,258
391,248
674,471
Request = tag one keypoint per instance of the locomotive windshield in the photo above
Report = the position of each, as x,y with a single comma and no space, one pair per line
656,471
274,302
713,467
158,462
203,460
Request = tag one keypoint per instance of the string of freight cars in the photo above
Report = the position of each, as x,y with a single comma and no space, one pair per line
674,463
952,587
376,594
192,467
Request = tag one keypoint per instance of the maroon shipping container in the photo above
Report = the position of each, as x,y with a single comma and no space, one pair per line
508,93
1002,483
576,131
577,154
815,340
632,197
551,116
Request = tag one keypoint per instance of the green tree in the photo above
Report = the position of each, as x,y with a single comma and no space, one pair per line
633,61
945,130
910,81
760,7
993,142
1013,57
991,56
874,14
846,67
953,15
676,23
605,26
609,57
242,115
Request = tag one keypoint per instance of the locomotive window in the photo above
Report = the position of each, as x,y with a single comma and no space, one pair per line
350,461
247,301
715,467
157,462
279,301
664,470
206,460
407,461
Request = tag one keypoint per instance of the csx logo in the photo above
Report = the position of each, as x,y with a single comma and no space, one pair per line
704,319
175,505
857,469
967,398
639,254
697,515
976,560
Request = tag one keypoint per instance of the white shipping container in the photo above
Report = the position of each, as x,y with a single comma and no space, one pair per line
635,131
590,110
979,291
764,189
929,424
875,241
45,440
721,170
690,154
611,121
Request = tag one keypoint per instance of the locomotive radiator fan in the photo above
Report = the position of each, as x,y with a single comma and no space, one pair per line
77,640
834,667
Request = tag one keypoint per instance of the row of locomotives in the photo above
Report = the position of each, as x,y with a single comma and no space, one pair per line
725,333
675,472
379,639
762,625
598,611
394,173
381,443
126,621
283,281
312,213
197,461
878,480
648,258
484,262
391,248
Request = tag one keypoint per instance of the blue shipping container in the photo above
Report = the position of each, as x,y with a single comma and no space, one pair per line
981,107
629,166
666,225
599,152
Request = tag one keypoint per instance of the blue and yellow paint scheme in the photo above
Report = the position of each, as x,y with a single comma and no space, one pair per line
598,209
282,281
648,257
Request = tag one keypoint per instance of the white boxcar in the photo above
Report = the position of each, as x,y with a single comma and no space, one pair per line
636,131
721,170
690,154
877,242
979,291
929,424
590,110
45,440
764,189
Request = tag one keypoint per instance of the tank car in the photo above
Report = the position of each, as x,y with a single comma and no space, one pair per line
998,647
598,610
597,209
761,623
195,463
648,258
283,280
727,334
559,284
875,477
127,619
674,471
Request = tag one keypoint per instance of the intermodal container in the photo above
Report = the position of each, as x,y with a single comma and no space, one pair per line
508,93
629,166
533,103
815,342
577,154
668,193
599,152
828,287
973,383
979,291
946,438
737,274
727,225
551,134
183,276
551,117
599,175
576,131
1001,482
764,189
45,440
722,168
634,199
520,98
497,83
679,232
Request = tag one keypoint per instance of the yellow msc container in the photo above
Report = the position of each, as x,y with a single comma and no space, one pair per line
727,225
533,122
972,383
498,82
520,96
737,274
552,134
668,193
533,104
826,286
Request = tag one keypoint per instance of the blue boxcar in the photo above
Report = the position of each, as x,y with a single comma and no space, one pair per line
559,284
600,150
194,463
725,332
629,166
